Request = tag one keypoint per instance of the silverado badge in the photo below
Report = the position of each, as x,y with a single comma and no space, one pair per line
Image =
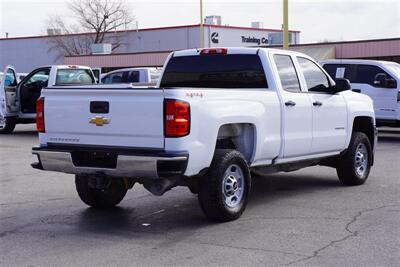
99,121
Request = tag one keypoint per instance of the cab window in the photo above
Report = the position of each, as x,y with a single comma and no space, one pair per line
287,73
74,76
316,79
113,78
39,79
341,71
133,77
366,74
122,77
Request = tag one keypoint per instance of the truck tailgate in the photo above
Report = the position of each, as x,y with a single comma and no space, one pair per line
107,117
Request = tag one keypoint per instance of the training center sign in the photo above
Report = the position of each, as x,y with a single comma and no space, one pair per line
236,37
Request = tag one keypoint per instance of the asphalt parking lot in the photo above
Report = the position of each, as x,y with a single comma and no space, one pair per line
304,218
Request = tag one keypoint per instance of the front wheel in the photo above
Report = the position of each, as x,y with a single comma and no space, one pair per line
354,166
7,125
107,197
224,190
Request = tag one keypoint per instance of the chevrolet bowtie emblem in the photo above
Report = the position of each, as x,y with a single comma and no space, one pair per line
99,121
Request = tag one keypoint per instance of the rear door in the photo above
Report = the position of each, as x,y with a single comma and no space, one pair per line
9,103
297,112
105,117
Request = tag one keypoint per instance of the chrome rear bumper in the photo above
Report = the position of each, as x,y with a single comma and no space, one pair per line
127,165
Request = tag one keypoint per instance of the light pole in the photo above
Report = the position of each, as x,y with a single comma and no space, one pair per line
285,24
201,25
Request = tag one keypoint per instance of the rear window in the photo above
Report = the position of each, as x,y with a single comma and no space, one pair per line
74,76
215,71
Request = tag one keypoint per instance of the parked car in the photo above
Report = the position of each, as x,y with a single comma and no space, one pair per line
378,79
18,100
132,75
216,115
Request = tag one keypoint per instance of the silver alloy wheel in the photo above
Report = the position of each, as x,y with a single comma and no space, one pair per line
233,186
2,122
361,160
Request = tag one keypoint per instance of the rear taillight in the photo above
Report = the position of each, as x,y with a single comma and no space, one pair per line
398,96
214,51
176,118
40,115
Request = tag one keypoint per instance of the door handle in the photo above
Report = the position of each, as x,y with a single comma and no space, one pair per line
356,90
290,103
317,104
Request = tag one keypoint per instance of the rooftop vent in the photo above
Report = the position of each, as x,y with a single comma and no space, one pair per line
213,20
101,49
257,24
53,31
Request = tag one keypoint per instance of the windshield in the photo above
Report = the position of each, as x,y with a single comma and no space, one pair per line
74,76
215,71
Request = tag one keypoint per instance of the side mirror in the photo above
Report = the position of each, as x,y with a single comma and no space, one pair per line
391,83
380,80
341,85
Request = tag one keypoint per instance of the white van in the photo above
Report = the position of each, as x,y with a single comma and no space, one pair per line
378,79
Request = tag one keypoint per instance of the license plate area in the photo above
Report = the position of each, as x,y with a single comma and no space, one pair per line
94,159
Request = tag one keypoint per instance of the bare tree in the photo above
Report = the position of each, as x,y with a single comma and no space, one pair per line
98,21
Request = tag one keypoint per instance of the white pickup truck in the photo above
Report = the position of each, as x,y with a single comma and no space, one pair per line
18,98
217,116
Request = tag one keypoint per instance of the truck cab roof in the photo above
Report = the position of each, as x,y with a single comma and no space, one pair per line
232,50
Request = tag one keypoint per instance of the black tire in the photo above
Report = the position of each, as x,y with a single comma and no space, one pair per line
194,189
100,198
194,185
7,126
212,191
347,168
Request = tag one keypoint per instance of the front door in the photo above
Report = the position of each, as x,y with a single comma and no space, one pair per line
385,99
9,104
329,122
297,112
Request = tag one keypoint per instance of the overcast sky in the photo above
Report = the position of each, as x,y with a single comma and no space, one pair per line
332,20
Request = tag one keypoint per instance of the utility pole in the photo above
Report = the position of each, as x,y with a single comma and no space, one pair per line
285,24
201,25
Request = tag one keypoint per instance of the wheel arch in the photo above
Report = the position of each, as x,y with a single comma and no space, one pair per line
365,125
239,136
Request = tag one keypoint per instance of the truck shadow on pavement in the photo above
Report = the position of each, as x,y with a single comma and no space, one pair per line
179,213
25,133
389,139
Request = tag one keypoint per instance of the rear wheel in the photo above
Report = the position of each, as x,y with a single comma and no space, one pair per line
224,190
354,166
106,197
7,125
